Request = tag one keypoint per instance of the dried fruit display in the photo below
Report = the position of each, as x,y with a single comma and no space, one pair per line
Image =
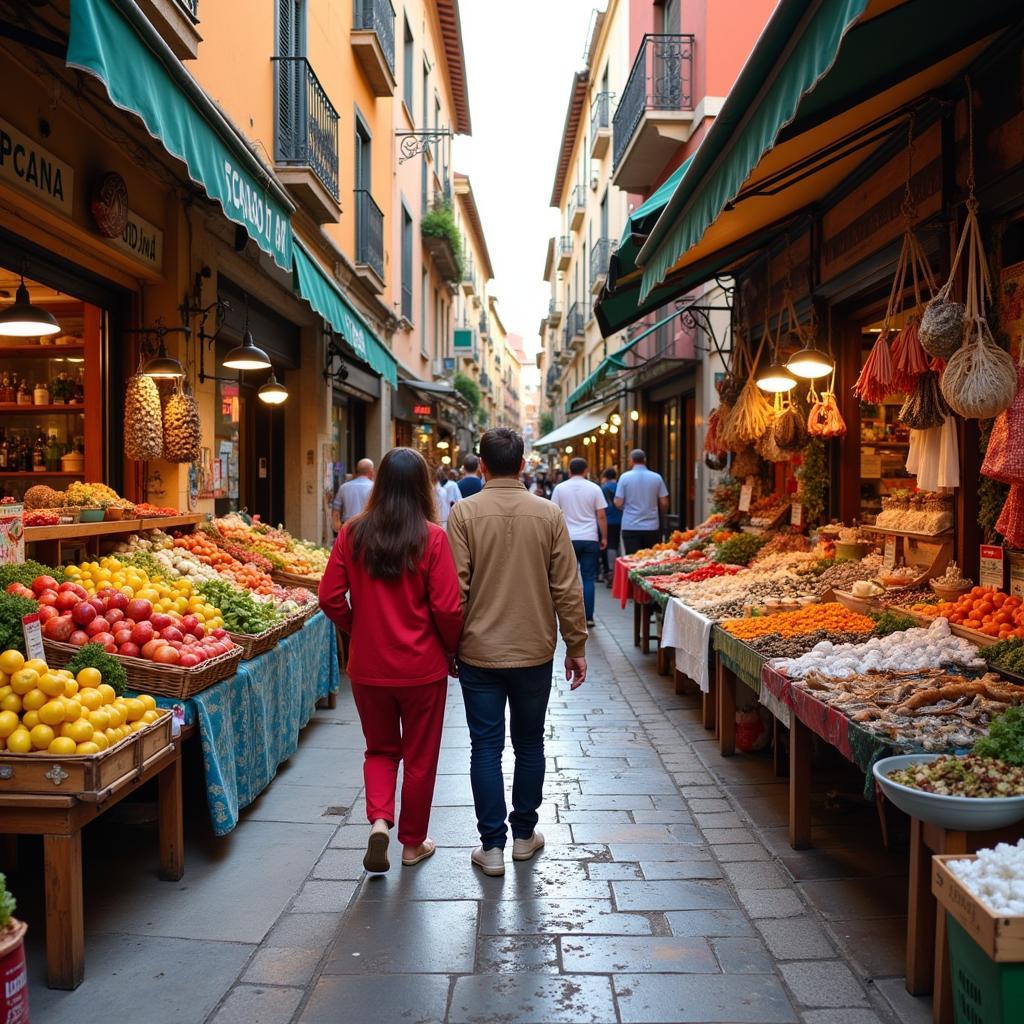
143,419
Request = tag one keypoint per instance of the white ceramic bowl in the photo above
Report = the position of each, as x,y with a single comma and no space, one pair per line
966,813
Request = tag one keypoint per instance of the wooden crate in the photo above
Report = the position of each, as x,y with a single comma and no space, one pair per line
1000,938
87,776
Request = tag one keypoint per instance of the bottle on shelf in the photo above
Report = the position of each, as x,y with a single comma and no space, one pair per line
24,395
41,394
39,453
53,453
80,386
3,453
7,392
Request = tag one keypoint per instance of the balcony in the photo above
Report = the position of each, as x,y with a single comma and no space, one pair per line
600,257
485,383
369,240
554,380
564,251
600,125
572,332
485,325
306,140
554,313
176,21
468,276
373,41
655,113
565,356
577,207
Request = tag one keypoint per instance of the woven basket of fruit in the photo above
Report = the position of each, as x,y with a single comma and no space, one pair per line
254,644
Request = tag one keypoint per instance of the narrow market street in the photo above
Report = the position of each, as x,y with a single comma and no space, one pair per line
659,897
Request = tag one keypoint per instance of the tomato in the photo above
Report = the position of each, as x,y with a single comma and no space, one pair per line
971,623
990,629
983,608
999,599
956,618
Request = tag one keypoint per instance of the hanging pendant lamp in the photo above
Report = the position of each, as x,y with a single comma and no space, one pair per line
776,379
809,363
247,356
23,320
162,366
274,393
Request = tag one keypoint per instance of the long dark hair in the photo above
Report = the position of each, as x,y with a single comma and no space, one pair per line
389,536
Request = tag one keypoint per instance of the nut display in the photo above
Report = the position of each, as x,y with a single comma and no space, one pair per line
182,433
143,419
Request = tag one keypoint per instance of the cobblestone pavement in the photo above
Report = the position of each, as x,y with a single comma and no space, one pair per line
655,900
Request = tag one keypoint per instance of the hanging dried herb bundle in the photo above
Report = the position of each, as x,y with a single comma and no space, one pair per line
789,431
925,407
747,463
712,443
751,416
909,359
729,388
768,449
875,380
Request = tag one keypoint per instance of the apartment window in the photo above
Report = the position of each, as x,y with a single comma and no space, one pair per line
407,65
424,288
426,93
291,28
437,320
406,263
361,161
437,141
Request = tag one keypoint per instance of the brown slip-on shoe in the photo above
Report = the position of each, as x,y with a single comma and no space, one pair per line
376,858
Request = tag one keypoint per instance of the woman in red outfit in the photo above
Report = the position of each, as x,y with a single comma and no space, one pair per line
391,585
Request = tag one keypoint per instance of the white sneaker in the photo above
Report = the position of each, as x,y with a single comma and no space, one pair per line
524,849
490,862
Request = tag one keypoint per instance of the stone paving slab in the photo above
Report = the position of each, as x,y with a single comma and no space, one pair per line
746,999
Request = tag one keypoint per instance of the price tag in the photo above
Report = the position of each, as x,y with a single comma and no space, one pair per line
1017,573
33,636
991,565
746,493
796,514
889,554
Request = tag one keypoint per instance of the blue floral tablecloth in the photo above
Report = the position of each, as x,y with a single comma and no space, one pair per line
249,724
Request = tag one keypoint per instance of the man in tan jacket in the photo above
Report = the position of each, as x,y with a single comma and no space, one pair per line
518,575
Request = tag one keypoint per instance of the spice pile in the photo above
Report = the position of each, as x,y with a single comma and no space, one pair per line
831,617
971,776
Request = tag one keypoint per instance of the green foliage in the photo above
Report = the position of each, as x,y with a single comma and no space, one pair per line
813,478
242,614
546,423
12,611
891,622
7,903
440,223
25,572
1006,654
467,387
1005,739
93,656
739,550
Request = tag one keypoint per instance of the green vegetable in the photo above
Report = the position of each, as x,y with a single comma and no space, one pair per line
25,572
93,656
739,550
240,611
1007,654
12,611
891,622
147,563
1005,739
813,478
7,903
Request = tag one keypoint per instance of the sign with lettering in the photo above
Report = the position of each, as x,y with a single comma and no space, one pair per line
422,410
1017,573
796,514
142,240
889,555
991,565
33,169
746,493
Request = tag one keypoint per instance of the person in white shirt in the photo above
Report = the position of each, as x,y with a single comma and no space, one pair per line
447,493
352,495
583,506
643,497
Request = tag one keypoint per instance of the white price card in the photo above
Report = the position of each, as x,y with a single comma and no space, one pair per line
991,564
796,514
889,554
33,634
746,493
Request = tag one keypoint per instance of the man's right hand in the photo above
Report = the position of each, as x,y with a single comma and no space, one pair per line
575,672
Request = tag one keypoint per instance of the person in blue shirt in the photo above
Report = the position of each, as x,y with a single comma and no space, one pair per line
608,556
642,496
471,483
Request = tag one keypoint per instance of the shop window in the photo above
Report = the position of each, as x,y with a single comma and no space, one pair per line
407,249
228,430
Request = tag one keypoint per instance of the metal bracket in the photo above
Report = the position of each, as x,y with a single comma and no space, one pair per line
415,142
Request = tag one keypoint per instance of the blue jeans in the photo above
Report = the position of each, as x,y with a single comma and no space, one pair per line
588,554
485,692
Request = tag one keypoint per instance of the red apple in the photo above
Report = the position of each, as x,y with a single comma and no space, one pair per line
97,603
47,598
170,633
47,612
98,625
142,633
122,636
139,609
66,600
104,637
128,623
41,583
128,649
58,628
166,655
79,638
83,613
113,615
118,600
148,649
188,660
161,620
190,639
73,588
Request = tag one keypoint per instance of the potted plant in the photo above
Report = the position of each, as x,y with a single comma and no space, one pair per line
13,974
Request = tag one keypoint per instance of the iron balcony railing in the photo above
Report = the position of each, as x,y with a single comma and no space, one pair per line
600,112
192,7
553,308
378,16
485,382
369,233
573,323
600,256
307,123
577,199
565,245
467,267
661,79
554,380
485,327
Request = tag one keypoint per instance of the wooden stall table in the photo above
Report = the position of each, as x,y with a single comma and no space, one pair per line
59,819
50,540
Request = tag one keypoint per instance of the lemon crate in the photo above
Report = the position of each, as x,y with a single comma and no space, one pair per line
90,777
986,952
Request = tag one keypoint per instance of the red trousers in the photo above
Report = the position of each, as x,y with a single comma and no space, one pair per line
401,723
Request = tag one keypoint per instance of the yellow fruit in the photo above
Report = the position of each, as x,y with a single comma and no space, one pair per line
149,700
70,687
30,719
107,692
52,685
80,731
134,709
52,712
72,711
150,717
89,677
87,748
139,725
99,737
90,699
4,690
62,745
8,723
98,719
11,662
19,742
34,700
12,702
111,734
25,680
37,665
42,736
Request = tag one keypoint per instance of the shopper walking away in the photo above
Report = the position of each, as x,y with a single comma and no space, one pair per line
583,504
352,495
471,483
517,576
391,585
446,493
642,496
614,518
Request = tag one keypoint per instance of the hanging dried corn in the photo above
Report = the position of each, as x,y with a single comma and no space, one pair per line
143,419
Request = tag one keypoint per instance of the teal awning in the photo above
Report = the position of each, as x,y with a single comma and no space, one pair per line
319,290
152,84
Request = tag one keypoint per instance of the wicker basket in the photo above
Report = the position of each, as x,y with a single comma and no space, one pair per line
949,593
149,677
293,624
254,644
291,579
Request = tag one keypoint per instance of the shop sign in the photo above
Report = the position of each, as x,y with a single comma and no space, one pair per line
796,514
142,240
423,410
1017,573
991,565
30,167
12,534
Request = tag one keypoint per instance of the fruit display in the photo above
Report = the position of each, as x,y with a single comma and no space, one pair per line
828,616
144,510
971,776
60,712
41,517
42,496
239,611
81,494
143,419
985,609
209,553
284,551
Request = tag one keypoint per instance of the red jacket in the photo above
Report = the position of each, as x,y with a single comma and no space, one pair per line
403,631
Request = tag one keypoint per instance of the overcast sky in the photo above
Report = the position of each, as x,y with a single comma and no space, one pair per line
520,59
